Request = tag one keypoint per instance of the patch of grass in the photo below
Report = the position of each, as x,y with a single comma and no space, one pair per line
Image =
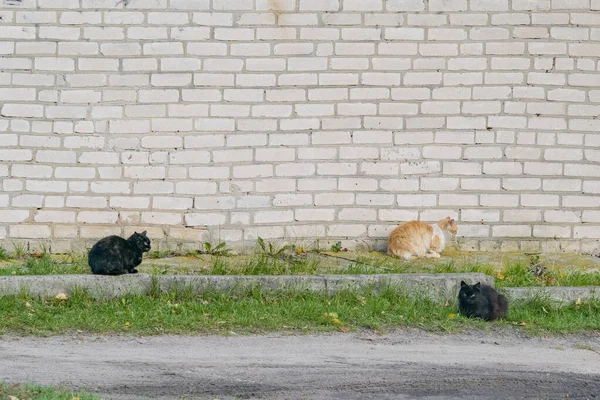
154,254
44,265
336,247
271,249
520,275
540,315
219,250
256,311
4,254
19,251
35,392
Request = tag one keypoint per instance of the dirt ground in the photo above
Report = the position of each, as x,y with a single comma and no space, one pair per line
407,364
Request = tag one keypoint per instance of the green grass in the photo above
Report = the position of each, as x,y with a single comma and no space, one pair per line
263,264
257,311
275,261
4,254
35,392
46,265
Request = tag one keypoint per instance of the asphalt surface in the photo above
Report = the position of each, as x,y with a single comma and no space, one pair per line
402,365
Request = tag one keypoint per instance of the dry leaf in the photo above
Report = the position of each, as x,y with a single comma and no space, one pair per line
336,321
544,310
127,323
451,316
500,275
344,329
61,296
13,398
522,324
578,302
27,304
300,250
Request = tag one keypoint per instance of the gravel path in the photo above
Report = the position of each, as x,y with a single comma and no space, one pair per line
403,365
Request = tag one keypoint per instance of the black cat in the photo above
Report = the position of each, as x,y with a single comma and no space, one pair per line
481,301
114,255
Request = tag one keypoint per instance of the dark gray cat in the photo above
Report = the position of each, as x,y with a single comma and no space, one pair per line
114,255
481,301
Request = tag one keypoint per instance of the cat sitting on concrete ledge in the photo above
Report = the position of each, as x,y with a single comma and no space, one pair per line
114,255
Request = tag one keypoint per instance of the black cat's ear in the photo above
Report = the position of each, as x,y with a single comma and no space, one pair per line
144,233
463,284
477,285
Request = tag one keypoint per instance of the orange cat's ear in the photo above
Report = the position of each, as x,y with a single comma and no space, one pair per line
452,222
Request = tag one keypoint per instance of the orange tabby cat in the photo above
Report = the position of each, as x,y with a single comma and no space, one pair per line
416,238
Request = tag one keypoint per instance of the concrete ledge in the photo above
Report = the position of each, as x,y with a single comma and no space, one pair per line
434,286
566,294
48,286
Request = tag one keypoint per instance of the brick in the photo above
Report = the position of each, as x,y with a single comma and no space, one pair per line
55,216
29,231
13,216
511,231
586,232
581,201
416,200
436,184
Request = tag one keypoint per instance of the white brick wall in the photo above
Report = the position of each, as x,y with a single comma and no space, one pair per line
300,118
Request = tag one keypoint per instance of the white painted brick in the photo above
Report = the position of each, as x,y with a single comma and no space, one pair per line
292,199
590,216
313,214
195,187
586,232
275,185
581,201
511,231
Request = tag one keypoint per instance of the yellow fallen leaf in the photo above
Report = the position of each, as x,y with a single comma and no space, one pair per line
451,316
336,321
127,323
333,315
326,315
75,398
27,304
522,324
578,302
544,310
13,398
500,275
61,296
344,329
300,250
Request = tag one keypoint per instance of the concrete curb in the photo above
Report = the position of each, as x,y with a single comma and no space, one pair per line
434,286
438,287
567,294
